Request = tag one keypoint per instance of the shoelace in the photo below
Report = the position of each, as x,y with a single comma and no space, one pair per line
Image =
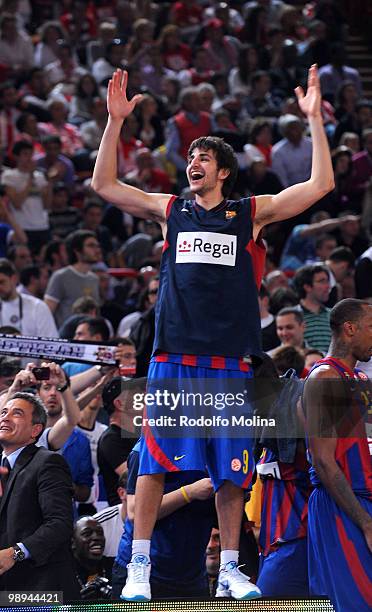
140,571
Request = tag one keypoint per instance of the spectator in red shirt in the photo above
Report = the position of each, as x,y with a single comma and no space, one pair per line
199,72
184,127
261,136
176,55
58,126
128,146
101,9
186,13
146,176
79,23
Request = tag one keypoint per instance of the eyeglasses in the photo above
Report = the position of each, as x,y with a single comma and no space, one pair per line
153,291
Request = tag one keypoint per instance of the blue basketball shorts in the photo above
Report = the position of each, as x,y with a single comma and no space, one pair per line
284,572
340,562
205,424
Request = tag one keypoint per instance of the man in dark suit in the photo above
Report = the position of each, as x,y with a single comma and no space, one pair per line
36,505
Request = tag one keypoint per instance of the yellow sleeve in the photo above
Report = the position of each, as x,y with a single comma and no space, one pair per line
253,507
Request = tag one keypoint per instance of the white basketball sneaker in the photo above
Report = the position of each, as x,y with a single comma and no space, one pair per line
232,583
137,587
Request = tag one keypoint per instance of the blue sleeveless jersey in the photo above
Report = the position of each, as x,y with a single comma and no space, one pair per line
210,273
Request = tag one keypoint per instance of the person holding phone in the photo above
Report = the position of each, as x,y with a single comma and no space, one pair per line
57,433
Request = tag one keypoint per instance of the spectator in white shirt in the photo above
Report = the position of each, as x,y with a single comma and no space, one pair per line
28,314
16,49
30,195
112,519
46,50
291,156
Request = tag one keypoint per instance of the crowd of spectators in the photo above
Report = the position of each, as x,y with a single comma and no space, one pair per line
76,267
203,68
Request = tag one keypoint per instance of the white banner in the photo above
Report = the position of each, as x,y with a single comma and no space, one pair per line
55,349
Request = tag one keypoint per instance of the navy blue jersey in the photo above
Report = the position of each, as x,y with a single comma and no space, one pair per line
210,273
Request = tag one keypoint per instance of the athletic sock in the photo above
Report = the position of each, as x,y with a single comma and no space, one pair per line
141,547
227,556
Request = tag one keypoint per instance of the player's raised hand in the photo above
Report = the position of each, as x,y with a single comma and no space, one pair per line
310,103
118,105
57,375
24,378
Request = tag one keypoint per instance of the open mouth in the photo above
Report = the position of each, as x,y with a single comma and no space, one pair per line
97,549
196,176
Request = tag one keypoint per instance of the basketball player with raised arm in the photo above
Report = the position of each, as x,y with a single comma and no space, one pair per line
207,316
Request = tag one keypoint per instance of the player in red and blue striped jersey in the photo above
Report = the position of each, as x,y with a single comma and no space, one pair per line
338,402
283,534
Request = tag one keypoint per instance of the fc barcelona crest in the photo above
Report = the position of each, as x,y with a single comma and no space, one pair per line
230,214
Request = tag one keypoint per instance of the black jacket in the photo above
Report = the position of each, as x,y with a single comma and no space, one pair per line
36,510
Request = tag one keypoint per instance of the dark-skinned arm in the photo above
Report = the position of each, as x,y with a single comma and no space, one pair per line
317,393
